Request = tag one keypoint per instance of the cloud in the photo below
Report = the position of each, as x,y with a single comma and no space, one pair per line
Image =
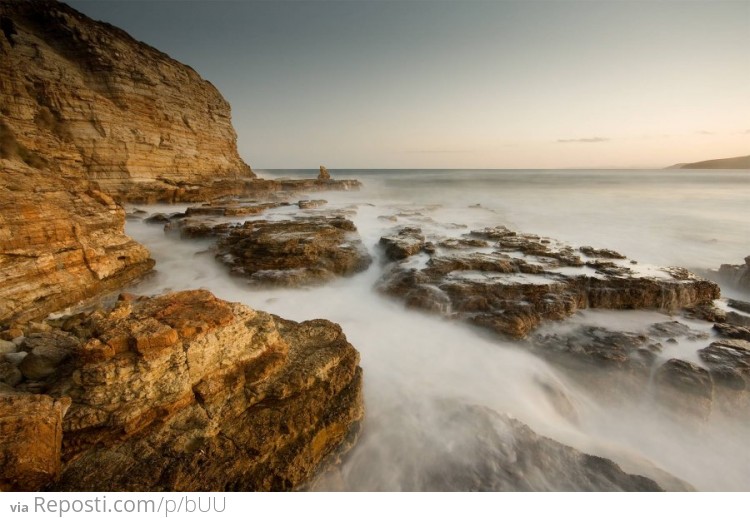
583,140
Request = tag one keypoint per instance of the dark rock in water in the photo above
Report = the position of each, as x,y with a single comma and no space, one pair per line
739,305
525,280
684,388
311,204
600,252
324,174
294,252
599,346
735,275
159,217
479,449
675,329
737,319
729,362
402,243
733,331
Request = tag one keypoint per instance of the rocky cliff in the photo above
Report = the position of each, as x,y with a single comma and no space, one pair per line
83,99
61,241
181,392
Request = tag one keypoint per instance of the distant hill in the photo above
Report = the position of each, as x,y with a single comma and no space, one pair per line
738,162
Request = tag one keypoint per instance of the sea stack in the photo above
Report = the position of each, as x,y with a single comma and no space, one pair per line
324,174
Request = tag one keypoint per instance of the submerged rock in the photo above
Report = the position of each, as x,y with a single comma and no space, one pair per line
295,252
523,280
479,449
403,243
186,392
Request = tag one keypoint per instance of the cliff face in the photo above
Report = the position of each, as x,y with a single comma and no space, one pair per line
83,99
60,242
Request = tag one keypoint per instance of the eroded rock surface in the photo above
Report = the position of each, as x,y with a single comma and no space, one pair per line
517,281
736,275
60,242
185,392
300,251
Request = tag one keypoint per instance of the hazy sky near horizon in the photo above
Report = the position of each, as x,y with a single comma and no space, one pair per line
464,84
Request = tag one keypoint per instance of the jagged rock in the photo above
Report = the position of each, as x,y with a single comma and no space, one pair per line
479,449
187,392
311,204
402,243
739,304
732,331
737,319
600,252
59,244
729,363
599,346
158,218
294,252
675,329
30,439
11,333
684,388
324,174
524,280
737,276
245,208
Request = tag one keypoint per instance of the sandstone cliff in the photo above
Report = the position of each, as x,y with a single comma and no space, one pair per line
60,242
83,99
181,392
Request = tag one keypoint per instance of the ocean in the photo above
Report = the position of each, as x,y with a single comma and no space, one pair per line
413,361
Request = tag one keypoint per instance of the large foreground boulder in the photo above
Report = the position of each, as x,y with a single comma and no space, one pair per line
186,392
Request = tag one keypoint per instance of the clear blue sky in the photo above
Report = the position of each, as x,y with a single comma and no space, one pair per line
454,84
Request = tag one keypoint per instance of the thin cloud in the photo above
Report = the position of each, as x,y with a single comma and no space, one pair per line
589,140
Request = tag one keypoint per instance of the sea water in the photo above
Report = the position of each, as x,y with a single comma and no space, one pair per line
413,360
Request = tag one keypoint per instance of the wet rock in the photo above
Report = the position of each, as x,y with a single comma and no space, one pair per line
684,388
729,363
737,319
675,329
402,243
479,449
294,252
30,440
600,252
737,276
526,280
599,346
324,174
158,218
732,331
740,305
234,209
311,204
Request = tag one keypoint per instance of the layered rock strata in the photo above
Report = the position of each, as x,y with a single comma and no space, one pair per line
60,242
86,100
180,392
294,252
511,282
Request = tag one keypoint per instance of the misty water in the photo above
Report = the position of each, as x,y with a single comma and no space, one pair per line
412,361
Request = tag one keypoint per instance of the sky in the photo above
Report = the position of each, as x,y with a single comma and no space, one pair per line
464,84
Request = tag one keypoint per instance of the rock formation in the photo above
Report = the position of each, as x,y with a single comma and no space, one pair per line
324,174
83,99
60,242
512,282
180,392
479,449
736,275
296,252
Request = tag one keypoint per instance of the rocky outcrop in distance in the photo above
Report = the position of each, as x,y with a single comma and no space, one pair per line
736,275
738,162
180,392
